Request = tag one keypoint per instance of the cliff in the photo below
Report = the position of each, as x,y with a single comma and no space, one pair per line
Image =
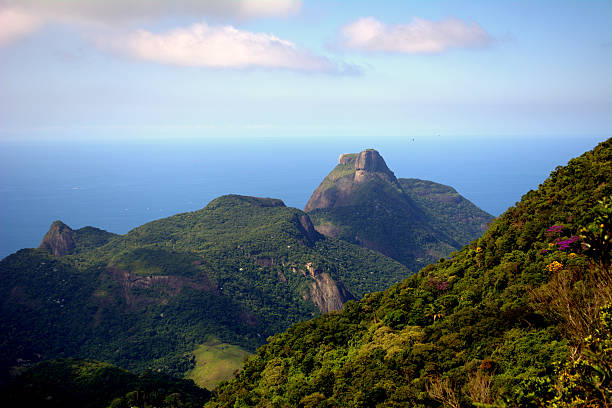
59,240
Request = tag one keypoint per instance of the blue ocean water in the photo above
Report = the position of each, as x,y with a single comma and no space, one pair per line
118,185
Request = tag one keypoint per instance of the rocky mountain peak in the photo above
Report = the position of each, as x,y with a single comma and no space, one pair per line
370,160
353,170
59,240
370,164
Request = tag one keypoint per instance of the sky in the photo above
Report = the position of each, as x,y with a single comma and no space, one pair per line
115,69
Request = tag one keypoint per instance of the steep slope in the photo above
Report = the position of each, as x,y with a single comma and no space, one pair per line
240,270
516,318
59,240
446,209
412,221
62,240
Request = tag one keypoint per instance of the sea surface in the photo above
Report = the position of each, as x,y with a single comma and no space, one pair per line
119,185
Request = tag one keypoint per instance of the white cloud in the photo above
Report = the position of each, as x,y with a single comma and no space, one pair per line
201,45
260,8
15,24
18,18
116,10
419,36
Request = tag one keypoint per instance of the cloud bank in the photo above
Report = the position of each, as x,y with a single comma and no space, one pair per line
419,36
108,22
113,10
202,45
19,18
15,25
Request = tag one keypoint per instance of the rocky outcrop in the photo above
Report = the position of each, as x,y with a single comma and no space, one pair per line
327,294
59,240
138,290
307,229
352,171
329,230
369,164
347,159
371,161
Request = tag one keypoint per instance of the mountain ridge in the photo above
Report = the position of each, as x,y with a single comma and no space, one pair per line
241,269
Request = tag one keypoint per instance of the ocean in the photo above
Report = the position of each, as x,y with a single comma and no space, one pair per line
118,185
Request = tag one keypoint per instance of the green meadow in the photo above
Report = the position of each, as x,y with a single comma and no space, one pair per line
216,362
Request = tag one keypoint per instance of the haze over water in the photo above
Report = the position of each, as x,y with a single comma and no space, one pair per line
117,186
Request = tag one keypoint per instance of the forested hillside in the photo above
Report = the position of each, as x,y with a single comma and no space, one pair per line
237,271
519,317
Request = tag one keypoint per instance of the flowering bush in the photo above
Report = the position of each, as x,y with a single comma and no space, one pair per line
554,230
554,266
568,243
437,284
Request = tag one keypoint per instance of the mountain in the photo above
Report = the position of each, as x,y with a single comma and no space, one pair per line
520,317
62,240
412,221
233,273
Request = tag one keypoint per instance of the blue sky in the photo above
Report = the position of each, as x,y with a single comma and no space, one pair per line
78,69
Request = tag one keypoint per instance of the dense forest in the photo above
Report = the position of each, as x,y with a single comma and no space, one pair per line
240,270
67,383
520,317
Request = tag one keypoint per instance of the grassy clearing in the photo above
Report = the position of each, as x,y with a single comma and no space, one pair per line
215,362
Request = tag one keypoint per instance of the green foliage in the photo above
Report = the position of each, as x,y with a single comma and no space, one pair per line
88,238
597,236
70,383
447,211
415,224
468,331
584,380
235,270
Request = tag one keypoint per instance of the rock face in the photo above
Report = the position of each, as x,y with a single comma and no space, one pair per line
352,171
370,164
59,240
307,228
327,294
134,287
